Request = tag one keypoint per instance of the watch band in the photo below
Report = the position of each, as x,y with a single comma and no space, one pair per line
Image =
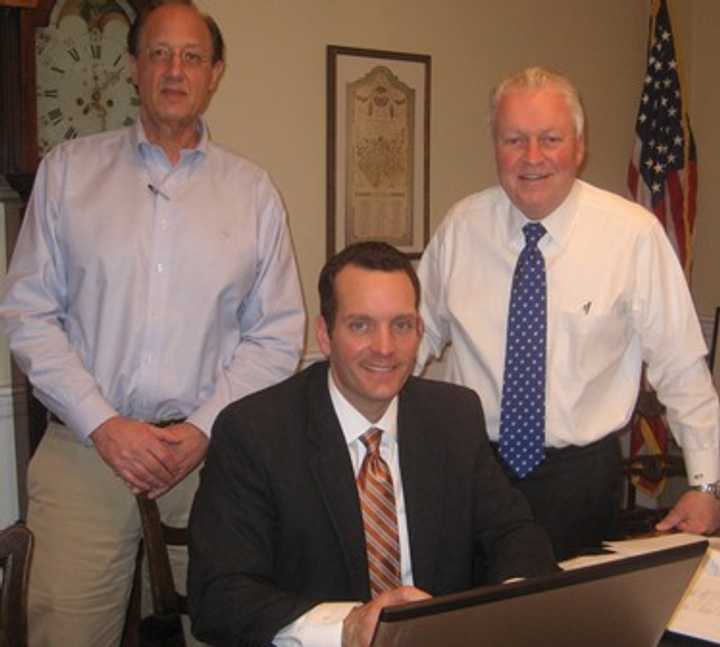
710,488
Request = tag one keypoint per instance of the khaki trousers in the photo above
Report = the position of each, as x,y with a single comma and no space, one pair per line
87,528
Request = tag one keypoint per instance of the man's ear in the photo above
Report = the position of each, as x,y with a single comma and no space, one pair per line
322,334
132,61
420,326
218,68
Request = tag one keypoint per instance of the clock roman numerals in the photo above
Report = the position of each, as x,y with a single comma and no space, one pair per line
82,82
55,116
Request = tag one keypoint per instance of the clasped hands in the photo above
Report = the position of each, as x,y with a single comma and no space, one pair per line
150,459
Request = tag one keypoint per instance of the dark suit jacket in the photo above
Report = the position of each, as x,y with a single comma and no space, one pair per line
276,526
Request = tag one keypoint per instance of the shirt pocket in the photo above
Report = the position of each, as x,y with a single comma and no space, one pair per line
587,345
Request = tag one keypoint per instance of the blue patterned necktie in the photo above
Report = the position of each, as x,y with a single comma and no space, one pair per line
522,408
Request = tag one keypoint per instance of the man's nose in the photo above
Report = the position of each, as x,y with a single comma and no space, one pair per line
533,151
383,341
174,66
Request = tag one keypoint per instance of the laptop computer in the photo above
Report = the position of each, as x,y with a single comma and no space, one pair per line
627,602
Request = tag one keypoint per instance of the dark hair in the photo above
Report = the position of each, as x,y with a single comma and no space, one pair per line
133,37
370,255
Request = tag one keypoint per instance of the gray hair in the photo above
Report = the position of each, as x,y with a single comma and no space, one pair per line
216,37
536,78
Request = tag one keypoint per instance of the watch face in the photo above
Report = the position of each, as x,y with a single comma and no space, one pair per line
83,77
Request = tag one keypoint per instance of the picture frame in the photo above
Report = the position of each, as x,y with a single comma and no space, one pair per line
378,148
22,4
714,356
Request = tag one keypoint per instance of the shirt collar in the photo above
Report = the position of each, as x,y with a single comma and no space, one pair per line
146,149
354,424
558,224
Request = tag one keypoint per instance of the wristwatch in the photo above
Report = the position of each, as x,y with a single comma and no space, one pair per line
710,488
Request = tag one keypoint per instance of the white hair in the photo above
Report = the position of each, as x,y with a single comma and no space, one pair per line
535,78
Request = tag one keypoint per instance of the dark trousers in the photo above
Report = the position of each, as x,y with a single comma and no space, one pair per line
575,494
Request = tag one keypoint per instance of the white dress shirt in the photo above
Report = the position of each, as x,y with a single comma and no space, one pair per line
616,297
150,290
321,626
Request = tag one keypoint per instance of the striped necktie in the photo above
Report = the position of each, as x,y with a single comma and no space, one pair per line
377,501
522,408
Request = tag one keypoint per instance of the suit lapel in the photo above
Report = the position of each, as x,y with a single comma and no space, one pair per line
422,464
331,466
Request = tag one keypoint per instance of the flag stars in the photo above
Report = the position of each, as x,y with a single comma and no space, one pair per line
662,146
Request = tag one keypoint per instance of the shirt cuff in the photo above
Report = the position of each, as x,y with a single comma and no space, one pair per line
701,466
321,626
85,417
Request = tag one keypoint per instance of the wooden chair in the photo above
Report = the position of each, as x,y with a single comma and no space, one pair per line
634,519
16,546
164,627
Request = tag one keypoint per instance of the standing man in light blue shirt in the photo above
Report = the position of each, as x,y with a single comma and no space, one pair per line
153,282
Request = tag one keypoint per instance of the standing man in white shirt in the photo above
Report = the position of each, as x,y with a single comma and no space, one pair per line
611,296
153,282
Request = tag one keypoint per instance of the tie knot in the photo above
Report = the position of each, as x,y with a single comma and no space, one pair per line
371,439
533,231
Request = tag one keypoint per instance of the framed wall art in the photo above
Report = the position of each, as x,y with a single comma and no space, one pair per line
378,148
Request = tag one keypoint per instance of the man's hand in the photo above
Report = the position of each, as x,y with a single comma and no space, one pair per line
188,445
135,453
359,626
695,512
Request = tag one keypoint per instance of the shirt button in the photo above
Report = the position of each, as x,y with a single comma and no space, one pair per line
160,267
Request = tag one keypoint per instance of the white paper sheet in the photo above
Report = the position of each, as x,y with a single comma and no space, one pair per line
698,613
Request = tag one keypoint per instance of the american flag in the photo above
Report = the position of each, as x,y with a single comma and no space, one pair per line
662,176
663,170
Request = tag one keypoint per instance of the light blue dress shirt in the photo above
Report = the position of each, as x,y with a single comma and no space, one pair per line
147,290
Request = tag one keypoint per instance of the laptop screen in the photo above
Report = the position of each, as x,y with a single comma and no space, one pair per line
623,602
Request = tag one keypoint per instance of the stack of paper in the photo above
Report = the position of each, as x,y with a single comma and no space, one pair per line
698,613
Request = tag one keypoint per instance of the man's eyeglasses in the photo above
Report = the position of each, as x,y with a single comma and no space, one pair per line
163,55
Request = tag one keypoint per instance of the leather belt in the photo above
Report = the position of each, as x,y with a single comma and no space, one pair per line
155,423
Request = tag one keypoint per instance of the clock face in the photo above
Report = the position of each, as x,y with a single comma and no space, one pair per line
83,77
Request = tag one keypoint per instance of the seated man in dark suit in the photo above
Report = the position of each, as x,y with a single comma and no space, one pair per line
342,489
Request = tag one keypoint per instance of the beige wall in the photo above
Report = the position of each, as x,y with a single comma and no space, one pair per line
701,25
271,103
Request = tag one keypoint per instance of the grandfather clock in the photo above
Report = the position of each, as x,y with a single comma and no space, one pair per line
63,74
